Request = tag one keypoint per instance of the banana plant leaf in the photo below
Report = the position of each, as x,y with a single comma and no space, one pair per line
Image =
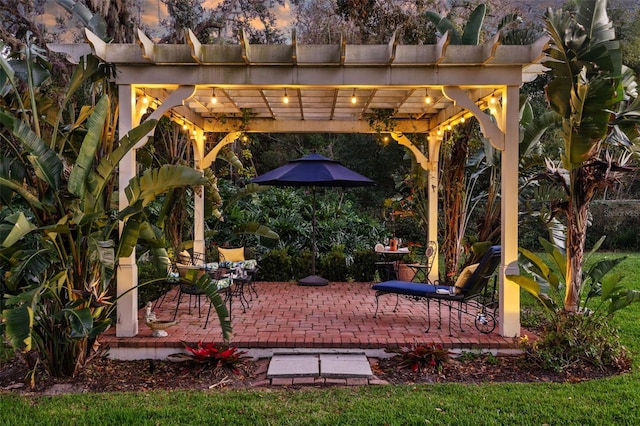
80,321
45,161
20,228
18,323
144,189
22,191
84,162
209,286
107,166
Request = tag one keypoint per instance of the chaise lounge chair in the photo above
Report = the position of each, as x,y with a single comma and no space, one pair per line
471,293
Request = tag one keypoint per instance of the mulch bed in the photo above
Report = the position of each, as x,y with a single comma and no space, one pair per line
488,369
105,375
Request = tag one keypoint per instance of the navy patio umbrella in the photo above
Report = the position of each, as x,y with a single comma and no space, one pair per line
313,170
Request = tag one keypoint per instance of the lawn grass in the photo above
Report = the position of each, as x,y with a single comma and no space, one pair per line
607,401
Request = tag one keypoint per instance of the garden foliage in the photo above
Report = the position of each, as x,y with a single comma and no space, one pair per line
586,335
59,226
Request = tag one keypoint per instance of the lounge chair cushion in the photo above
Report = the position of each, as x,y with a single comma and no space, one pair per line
464,277
410,288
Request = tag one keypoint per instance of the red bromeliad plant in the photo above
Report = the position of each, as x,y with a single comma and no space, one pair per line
422,357
218,355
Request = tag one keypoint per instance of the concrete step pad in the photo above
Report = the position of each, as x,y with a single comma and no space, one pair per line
334,365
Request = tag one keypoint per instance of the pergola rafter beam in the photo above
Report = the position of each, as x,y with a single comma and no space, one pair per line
392,45
196,46
246,47
266,102
490,47
441,48
294,45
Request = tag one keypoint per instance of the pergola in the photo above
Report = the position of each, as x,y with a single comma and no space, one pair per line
328,88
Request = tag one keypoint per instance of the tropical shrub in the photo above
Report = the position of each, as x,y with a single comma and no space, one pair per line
585,335
60,246
363,268
301,263
287,211
333,264
576,340
275,265
546,282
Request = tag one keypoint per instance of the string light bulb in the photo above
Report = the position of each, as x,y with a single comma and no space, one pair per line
144,103
492,100
462,119
427,98
285,99
354,99
214,100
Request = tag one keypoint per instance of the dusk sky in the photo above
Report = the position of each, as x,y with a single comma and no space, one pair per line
152,12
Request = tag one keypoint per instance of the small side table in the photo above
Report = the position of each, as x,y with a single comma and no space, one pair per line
390,261
238,289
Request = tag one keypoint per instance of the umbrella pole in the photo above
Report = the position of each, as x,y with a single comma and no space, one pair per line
313,279
314,249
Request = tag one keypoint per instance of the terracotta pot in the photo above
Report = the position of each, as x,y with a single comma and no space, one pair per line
405,273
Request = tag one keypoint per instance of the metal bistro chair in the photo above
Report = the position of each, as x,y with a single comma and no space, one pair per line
184,266
173,274
422,270
231,256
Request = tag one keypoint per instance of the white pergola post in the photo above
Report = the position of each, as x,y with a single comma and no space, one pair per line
198,195
430,165
509,313
504,137
435,141
127,273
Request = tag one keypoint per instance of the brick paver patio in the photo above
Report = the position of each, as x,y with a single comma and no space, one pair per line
340,315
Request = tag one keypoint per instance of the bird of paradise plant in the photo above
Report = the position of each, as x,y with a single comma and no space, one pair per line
595,96
59,230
